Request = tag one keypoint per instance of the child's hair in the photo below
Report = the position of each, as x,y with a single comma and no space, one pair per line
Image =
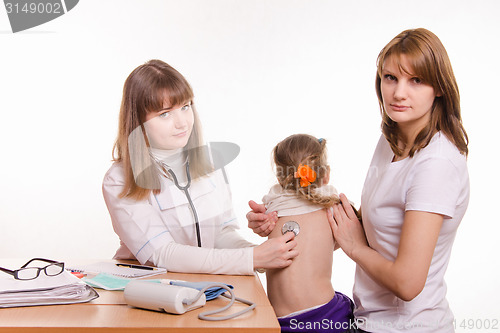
145,91
303,149
430,63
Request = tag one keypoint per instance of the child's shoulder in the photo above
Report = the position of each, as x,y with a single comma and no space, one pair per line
287,202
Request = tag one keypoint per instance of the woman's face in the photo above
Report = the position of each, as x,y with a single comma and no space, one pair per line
171,127
407,99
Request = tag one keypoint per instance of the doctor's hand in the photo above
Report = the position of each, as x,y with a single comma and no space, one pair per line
347,230
276,252
261,223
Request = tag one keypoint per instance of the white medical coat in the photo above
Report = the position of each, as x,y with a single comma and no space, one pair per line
161,228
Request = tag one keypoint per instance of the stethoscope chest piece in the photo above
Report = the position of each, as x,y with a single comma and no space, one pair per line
290,226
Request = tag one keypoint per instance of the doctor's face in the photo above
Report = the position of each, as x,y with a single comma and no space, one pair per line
171,127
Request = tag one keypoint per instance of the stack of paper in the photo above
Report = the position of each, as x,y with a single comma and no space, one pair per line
44,290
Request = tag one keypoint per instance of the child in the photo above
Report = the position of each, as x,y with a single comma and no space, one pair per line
167,204
302,294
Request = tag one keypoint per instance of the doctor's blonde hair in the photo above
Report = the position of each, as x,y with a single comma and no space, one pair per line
303,149
145,90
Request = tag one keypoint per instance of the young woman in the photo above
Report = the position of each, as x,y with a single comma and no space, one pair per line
167,203
302,196
415,194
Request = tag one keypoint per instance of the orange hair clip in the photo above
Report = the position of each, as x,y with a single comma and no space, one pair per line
306,175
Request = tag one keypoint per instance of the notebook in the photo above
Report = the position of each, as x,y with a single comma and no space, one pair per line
112,268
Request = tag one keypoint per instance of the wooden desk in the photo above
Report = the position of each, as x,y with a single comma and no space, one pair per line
110,313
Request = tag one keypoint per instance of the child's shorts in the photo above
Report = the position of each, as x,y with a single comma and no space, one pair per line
335,316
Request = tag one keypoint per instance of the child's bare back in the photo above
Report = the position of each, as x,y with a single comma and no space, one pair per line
302,292
307,281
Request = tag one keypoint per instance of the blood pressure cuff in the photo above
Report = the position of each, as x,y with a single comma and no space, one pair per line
111,282
210,293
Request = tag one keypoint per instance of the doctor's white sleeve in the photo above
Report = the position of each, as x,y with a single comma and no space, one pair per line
141,229
232,255
191,259
137,223
229,238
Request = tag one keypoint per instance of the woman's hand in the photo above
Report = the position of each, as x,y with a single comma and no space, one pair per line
276,252
346,228
261,223
404,276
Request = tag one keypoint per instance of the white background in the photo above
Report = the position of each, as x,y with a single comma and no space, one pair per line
261,70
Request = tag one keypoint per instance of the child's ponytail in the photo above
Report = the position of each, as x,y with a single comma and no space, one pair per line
302,166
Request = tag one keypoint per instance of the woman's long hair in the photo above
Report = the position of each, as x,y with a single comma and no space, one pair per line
429,62
145,90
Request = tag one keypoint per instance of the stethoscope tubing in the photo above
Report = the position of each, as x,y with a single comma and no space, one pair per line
185,189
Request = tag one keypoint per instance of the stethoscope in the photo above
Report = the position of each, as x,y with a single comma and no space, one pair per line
185,189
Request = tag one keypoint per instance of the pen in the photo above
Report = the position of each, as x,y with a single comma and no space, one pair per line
137,266
78,274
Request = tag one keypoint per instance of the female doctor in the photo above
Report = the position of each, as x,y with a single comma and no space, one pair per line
167,203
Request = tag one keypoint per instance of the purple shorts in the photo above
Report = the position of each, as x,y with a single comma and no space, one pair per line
335,316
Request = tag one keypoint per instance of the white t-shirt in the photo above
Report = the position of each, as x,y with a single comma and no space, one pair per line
161,228
434,180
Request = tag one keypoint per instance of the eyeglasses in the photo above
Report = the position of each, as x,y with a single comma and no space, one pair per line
31,273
